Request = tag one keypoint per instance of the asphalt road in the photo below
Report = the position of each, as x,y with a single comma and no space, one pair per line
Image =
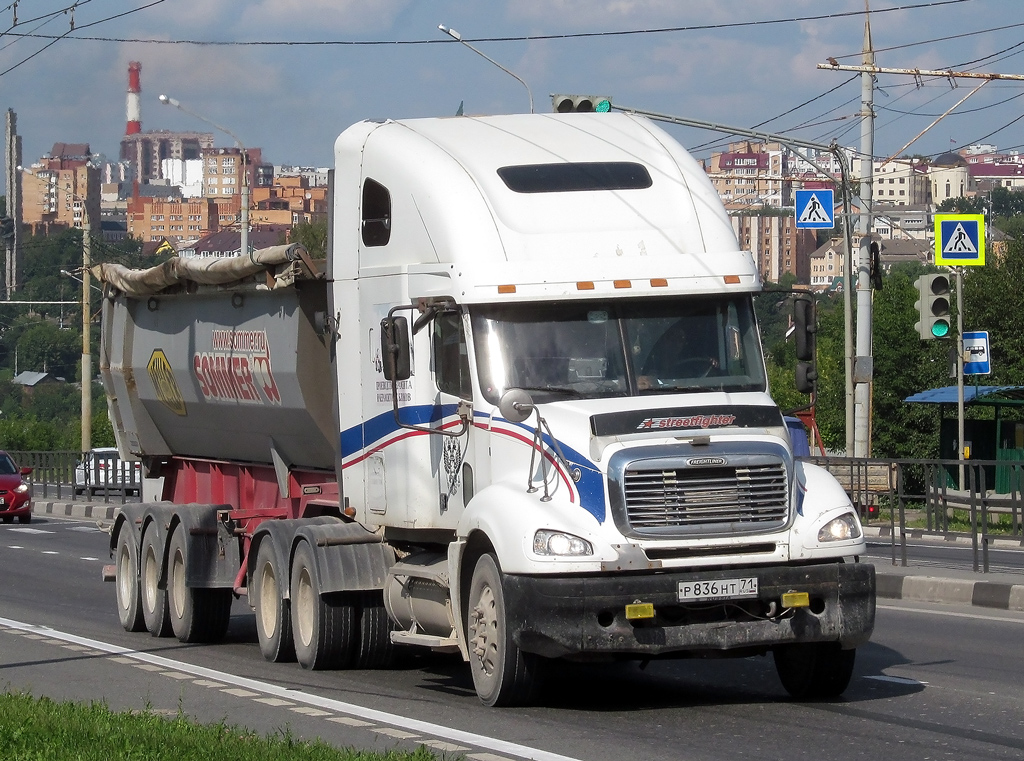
935,682
938,554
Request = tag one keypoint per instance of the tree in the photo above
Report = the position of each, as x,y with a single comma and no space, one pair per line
312,235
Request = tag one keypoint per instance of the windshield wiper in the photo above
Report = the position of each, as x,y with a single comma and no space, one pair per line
553,390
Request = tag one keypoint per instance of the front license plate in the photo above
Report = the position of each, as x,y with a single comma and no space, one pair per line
717,589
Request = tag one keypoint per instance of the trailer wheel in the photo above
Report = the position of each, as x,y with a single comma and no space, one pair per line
154,599
324,626
129,596
502,674
273,616
814,670
198,614
375,649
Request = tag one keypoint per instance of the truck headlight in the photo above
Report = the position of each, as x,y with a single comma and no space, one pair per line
840,529
559,543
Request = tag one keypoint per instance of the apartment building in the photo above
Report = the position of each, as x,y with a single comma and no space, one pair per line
61,188
288,201
750,175
224,171
900,182
777,245
154,219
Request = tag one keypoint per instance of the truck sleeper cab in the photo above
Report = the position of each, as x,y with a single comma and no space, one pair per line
520,413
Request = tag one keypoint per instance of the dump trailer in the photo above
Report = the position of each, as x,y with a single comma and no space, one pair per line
519,412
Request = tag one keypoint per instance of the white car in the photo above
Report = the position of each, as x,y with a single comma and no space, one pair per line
105,471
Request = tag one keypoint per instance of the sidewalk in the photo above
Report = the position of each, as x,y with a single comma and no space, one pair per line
951,586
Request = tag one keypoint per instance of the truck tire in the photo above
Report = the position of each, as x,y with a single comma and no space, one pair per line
375,650
502,674
324,627
154,599
273,615
198,614
129,597
814,670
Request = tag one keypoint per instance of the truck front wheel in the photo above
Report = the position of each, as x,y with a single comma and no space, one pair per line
129,602
273,616
154,599
198,614
502,674
325,627
814,670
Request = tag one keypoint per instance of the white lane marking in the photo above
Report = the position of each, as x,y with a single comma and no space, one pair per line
276,702
952,614
159,663
50,552
31,531
84,529
88,558
15,547
895,679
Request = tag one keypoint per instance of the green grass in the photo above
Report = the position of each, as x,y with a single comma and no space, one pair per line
40,729
960,522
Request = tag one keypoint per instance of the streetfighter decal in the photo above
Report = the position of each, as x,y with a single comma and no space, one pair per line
238,369
693,421
685,419
167,391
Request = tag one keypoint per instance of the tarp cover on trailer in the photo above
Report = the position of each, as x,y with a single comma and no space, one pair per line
204,271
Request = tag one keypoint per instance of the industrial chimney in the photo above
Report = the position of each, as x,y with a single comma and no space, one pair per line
134,109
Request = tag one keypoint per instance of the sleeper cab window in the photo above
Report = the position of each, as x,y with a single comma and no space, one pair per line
376,214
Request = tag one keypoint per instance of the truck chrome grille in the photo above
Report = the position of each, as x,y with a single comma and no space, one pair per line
727,499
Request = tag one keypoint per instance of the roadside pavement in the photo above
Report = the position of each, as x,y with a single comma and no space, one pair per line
1004,591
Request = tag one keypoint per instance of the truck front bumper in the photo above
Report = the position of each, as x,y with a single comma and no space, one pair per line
577,616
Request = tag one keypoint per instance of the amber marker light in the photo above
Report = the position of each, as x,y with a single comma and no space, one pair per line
732,279
659,282
585,285
622,284
506,289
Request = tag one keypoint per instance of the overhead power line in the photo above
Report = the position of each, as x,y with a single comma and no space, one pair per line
522,38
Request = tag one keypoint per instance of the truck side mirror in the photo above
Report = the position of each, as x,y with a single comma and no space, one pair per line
394,348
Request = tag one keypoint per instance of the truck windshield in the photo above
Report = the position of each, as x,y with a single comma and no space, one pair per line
594,349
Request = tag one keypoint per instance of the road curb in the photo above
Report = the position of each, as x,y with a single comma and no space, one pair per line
985,594
87,510
888,532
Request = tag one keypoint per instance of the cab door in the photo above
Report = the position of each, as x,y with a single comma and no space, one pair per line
452,451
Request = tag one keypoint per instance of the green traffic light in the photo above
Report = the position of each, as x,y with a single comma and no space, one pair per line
940,329
603,106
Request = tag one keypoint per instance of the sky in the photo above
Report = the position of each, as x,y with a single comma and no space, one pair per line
335,62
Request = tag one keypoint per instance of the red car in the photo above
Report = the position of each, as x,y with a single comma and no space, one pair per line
15,496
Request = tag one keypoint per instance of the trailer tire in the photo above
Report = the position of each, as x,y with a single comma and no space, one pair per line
814,670
503,675
273,614
155,611
126,582
198,614
324,626
376,650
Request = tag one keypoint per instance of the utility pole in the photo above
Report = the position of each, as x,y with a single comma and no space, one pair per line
858,441
91,200
12,153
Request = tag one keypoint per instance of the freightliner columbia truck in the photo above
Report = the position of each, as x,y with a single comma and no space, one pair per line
519,413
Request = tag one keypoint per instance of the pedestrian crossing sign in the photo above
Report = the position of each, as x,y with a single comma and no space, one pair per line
960,240
815,209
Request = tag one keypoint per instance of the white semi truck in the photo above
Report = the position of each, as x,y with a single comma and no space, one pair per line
519,412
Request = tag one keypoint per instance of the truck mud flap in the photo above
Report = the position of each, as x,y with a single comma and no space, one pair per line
348,556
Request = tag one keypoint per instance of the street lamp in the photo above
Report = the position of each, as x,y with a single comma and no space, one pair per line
245,165
458,38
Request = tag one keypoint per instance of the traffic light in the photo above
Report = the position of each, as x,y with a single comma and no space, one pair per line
565,104
6,229
933,306
805,327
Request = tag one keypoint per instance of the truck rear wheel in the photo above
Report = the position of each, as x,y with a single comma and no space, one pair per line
129,602
325,627
155,610
502,674
273,615
814,670
198,614
375,648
